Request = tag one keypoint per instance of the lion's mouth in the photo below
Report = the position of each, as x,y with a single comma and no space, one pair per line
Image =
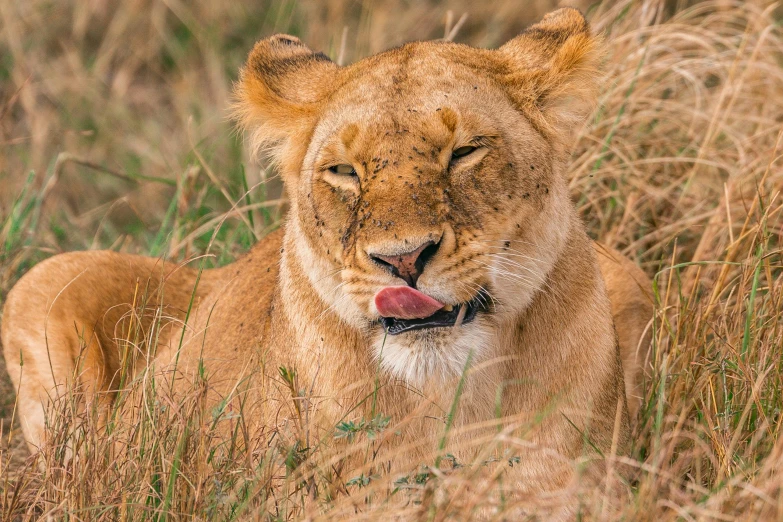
452,317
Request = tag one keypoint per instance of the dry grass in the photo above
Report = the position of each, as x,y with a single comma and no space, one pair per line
680,168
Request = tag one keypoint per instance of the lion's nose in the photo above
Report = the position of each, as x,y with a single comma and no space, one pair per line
407,265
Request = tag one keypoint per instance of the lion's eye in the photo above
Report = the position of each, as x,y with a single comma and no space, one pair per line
343,170
462,151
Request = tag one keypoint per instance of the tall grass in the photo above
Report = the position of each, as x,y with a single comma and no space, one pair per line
113,135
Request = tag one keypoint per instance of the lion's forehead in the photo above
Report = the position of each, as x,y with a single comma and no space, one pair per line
420,65
409,101
418,77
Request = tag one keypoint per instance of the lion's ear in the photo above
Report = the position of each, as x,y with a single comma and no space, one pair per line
551,70
280,88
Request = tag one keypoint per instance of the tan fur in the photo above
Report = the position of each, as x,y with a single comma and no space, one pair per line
303,297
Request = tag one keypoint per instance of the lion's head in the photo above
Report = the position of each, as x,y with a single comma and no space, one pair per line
426,182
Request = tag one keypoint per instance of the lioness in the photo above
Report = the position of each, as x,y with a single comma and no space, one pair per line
430,241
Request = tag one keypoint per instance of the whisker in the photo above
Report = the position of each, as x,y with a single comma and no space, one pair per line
515,253
528,283
540,278
331,273
333,305
511,262
516,277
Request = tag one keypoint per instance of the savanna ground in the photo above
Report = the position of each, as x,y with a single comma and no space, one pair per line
114,135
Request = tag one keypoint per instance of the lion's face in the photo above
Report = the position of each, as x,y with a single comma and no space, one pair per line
429,167
454,167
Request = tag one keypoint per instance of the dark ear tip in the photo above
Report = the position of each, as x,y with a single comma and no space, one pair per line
278,45
275,48
285,39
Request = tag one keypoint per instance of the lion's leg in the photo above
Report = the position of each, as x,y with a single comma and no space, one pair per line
29,402
37,355
629,291
61,320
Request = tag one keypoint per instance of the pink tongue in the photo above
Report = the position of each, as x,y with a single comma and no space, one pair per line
404,302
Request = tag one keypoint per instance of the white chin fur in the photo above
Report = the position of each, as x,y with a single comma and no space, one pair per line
434,354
